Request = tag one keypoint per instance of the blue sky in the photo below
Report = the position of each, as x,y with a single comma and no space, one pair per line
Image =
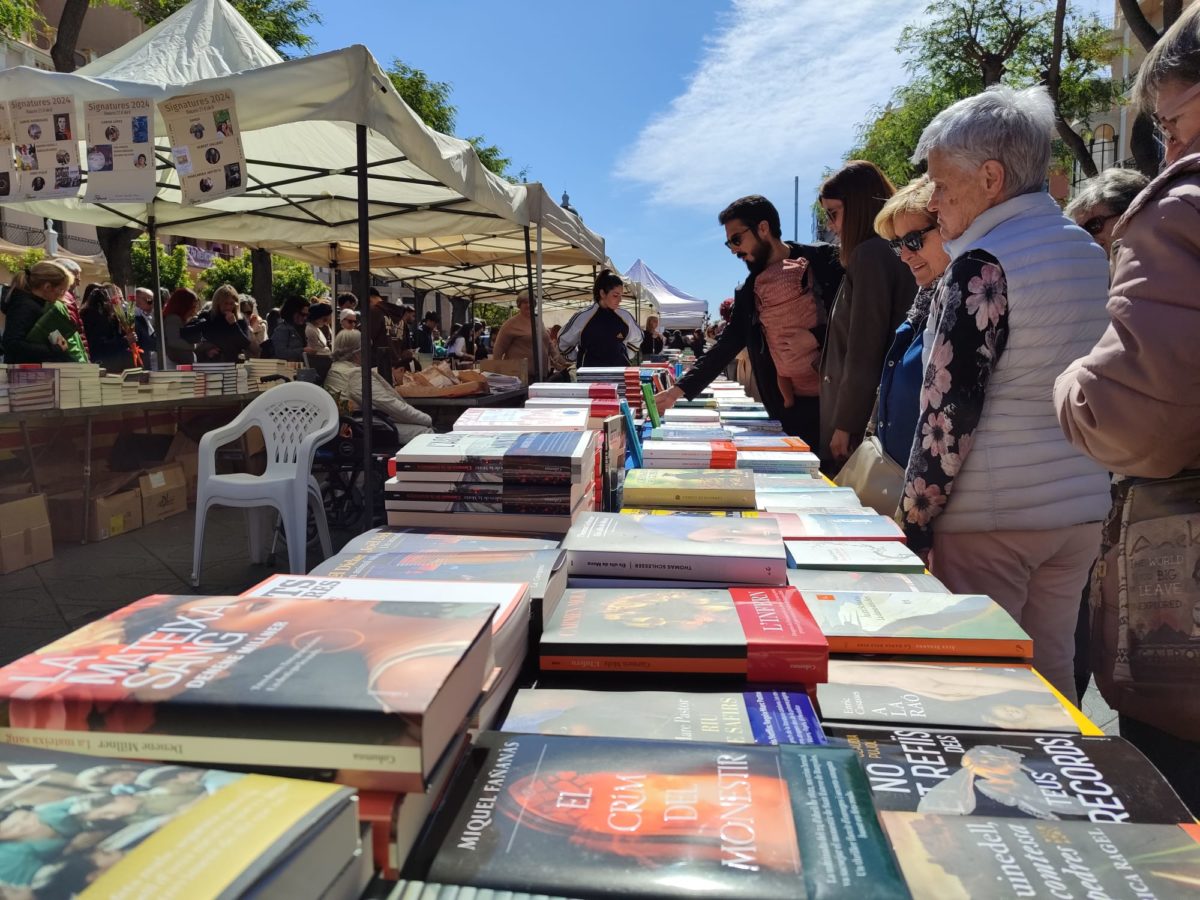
653,114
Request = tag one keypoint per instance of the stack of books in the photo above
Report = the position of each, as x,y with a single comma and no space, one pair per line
573,390
791,461
691,416
4,404
265,373
175,384
30,387
690,455
220,377
597,410
78,384
505,481
484,419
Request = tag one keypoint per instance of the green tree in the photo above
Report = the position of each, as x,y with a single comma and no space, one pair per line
493,314
16,262
889,137
430,100
237,272
283,24
19,17
288,277
172,267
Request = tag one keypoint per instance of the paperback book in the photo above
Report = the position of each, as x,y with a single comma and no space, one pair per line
765,635
697,548
690,454
917,624
1011,775
851,526
721,717
599,817
774,461
95,827
945,695
703,488
854,556
537,419
374,690
535,458
834,580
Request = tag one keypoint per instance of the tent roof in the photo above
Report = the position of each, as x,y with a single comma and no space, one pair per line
676,308
428,191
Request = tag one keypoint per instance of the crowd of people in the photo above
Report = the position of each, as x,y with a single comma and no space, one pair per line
1041,443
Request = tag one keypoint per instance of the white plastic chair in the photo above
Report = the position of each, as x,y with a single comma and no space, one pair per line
295,420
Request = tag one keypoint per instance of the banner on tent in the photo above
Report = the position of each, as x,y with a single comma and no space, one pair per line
206,145
120,150
47,147
8,175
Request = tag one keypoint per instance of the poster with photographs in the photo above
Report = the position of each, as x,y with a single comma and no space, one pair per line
8,174
46,142
120,150
206,145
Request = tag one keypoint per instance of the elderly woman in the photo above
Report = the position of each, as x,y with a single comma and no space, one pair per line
1007,506
344,381
1133,405
1102,200
911,230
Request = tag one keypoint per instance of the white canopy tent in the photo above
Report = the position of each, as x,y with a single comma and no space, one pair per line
335,158
675,308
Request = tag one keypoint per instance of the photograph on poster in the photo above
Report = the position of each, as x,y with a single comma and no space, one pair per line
62,127
206,184
27,159
212,155
222,120
140,162
233,175
141,129
100,158
38,183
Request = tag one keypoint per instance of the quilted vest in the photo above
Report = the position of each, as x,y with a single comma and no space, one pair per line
1021,473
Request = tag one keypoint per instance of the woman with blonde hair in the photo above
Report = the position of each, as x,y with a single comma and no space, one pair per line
34,292
226,333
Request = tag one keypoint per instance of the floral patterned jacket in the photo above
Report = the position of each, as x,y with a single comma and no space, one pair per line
971,312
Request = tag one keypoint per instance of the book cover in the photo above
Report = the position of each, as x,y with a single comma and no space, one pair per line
675,415
917,624
537,419
764,634
721,717
688,434
526,523
95,827
1011,775
651,405
854,556
771,461
411,540
942,695
598,817
375,690
834,580
767,444
700,454
851,526
697,548
539,457
704,488
962,857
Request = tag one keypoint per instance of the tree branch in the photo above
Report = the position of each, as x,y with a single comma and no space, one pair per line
1138,23
70,24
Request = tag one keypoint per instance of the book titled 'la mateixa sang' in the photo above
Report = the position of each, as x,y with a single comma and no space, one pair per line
98,828
598,817
687,548
721,717
764,634
375,690
1011,774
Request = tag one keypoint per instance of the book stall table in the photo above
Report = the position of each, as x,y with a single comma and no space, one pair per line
446,410
60,418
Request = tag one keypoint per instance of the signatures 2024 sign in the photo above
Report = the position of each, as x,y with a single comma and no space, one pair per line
206,145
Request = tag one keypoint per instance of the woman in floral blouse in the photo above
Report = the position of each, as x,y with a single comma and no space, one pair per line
994,496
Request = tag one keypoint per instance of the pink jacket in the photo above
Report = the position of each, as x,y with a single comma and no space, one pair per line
1133,403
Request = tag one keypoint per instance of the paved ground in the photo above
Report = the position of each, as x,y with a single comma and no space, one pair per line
82,583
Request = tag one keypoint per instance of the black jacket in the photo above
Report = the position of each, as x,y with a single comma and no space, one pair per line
23,310
106,341
230,340
745,330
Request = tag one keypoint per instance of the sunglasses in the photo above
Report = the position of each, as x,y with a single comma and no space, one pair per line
736,241
1095,224
914,241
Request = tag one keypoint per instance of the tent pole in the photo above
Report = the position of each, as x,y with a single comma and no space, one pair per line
535,312
156,277
543,364
364,309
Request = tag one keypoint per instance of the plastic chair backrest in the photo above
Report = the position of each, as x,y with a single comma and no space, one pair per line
289,413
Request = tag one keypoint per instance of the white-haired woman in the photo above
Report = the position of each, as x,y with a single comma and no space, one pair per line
344,381
1133,405
1102,200
1007,506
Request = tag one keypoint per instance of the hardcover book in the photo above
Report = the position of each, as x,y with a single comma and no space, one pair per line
375,690
537,457
723,717
850,526
854,556
94,827
917,624
695,548
976,856
600,817
704,488
945,695
1011,775
491,418
833,580
764,634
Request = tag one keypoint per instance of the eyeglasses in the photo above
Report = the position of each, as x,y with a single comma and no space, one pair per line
914,241
736,240
1167,123
1095,224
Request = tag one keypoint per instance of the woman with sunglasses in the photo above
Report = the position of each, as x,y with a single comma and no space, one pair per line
911,230
1133,405
1102,200
871,303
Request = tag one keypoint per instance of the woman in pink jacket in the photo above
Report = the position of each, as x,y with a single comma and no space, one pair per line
1133,405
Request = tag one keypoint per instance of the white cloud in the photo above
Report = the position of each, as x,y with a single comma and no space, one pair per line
779,92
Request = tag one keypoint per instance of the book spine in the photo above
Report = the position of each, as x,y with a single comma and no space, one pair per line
572,661
701,498
898,646
727,570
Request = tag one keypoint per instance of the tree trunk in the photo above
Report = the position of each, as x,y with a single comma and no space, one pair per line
1142,143
1138,23
1075,142
1172,10
260,280
115,243
70,23
1078,147
419,302
992,70
459,311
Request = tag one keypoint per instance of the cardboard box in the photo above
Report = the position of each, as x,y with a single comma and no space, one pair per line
24,533
185,451
164,492
115,509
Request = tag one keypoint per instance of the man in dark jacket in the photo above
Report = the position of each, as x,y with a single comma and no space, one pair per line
754,235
